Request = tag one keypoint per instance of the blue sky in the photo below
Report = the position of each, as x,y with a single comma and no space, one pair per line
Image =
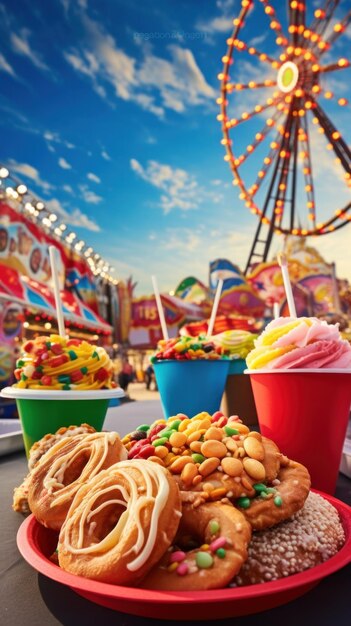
108,113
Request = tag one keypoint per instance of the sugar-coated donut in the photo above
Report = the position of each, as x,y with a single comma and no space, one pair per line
120,523
64,468
222,535
310,537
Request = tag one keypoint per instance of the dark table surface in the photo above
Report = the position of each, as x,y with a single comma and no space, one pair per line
30,599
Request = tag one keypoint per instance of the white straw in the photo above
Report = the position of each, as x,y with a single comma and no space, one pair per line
287,284
276,310
160,309
55,278
215,307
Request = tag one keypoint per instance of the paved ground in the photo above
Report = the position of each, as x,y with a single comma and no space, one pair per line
138,391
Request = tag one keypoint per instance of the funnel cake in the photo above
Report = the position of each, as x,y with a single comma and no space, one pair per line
64,468
120,523
215,458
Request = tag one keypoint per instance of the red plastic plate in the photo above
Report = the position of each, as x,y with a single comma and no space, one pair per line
36,543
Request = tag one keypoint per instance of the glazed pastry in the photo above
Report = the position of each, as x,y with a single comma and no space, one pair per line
20,494
64,468
120,523
311,536
222,536
215,458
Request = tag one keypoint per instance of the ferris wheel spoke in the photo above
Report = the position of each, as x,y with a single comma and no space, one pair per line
323,16
297,20
251,85
284,157
267,164
339,29
259,138
248,115
338,144
341,64
307,171
275,24
241,46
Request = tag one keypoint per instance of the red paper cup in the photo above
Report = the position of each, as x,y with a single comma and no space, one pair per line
305,412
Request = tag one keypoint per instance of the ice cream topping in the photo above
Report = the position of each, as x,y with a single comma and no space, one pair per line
231,344
304,342
56,362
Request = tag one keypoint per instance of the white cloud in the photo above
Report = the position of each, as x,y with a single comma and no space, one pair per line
219,24
177,81
54,137
68,189
93,177
20,45
74,218
89,196
180,189
30,172
105,155
64,164
6,67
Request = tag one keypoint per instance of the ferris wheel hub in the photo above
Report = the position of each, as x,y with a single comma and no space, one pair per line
287,78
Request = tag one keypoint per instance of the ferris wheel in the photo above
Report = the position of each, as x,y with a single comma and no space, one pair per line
284,113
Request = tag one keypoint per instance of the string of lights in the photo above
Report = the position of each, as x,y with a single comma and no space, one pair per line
14,191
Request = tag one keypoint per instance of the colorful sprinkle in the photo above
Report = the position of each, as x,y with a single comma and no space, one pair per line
72,355
177,556
278,501
172,567
218,543
144,427
175,424
198,458
221,553
84,370
244,503
214,526
20,363
95,355
260,487
160,442
204,560
182,569
205,546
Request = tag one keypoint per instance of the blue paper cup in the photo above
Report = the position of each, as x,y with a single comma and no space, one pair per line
191,387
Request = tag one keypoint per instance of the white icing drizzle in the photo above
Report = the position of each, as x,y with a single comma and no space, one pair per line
96,445
154,477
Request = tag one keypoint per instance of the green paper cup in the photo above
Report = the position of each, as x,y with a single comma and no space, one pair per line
43,412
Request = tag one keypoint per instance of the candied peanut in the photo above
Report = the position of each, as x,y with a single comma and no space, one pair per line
254,469
197,480
189,472
156,459
231,445
255,435
208,466
205,423
161,451
213,448
177,440
239,452
178,465
214,433
195,436
254,448
192,426
208,487
196,446
232,467
246,484
183,425
218,493
242,428
169,458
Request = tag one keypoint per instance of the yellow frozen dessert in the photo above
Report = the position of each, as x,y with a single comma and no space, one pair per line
55,362
235,343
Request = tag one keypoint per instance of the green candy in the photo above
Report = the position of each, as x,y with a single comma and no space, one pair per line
66,387
95,355
20,363
221,553
244,503
204,560
153,359
84,370
278,501
230,431
214,527
48,344
24,377
271,490
195,346
175,424
198,458
260,487
72,355
165,433
160,442
143,427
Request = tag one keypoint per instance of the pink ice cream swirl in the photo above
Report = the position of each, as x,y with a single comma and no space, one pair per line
313,343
